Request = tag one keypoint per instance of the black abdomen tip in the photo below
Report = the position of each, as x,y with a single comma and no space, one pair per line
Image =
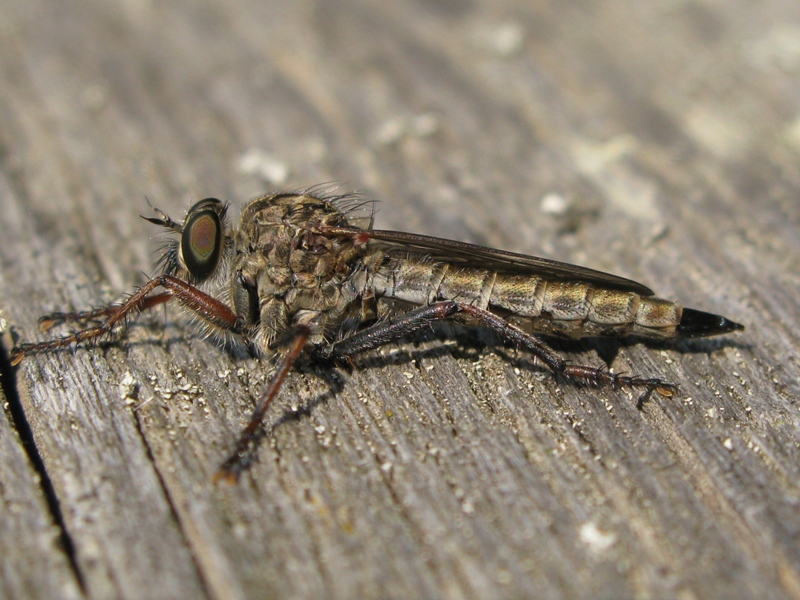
696,323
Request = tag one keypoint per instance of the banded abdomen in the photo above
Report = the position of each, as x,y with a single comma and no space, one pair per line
563,308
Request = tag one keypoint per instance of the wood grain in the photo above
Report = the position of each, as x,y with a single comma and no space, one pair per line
658,141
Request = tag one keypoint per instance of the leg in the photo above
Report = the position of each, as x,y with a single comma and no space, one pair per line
557,364
397,327
389,330
212,310
48,321
242,457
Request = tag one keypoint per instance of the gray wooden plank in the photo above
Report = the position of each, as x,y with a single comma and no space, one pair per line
35,562
441,468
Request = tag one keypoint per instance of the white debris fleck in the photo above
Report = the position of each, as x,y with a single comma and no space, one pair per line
240,531
3,325
507,39
391,131
554,204
165,393
396,128
596,539
728,443
776,47
129,388
263,165
188,388
503,40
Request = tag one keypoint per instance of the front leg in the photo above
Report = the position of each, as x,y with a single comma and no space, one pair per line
50,320
214,312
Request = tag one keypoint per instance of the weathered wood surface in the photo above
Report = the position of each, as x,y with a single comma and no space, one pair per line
441,468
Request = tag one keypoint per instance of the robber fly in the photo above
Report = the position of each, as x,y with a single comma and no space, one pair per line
304,273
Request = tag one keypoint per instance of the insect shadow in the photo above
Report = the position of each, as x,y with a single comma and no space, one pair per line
468,343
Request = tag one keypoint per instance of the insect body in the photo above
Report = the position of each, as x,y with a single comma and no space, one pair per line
302,273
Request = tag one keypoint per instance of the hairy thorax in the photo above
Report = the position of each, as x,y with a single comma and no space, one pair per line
286,274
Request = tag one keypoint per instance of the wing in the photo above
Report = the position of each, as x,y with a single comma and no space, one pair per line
472,255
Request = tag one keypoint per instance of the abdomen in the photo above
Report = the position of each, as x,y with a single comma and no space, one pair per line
571,309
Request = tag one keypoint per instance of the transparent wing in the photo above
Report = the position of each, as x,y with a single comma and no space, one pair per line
472,255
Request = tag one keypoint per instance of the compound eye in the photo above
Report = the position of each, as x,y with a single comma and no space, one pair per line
201,240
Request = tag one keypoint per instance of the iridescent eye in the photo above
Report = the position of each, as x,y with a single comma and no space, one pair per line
201,240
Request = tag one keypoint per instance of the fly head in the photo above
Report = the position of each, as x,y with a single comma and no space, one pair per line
196,257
